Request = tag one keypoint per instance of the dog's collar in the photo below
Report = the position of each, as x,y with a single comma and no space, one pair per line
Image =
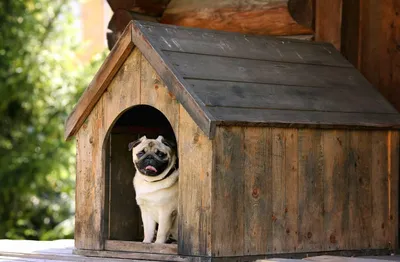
172,170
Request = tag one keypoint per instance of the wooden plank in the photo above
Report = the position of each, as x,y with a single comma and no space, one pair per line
249,116
379,189
311,190
125,222
393,188
285,190
207,42
130,246
350,33
328,21
249,95
194,206
173,81
265,72
359,166
129,255
153,92
99,83
258,194
227,193
152,7
336,191
245,16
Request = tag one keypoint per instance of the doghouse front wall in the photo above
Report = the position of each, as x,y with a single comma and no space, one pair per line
277,190
135,83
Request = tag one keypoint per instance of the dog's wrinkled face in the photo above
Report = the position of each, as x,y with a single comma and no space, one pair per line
152,157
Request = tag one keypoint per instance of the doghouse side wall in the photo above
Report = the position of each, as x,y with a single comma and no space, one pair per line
277,190
135,83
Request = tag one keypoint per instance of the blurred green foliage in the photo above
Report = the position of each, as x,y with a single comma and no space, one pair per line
40,81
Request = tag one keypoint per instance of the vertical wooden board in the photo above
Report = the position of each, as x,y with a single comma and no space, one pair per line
278,190
379,190
227,192
285,190
153,92
311,189
350,33
328,21
125,222
124,90
257,197
291,190
359,173
336,212
89,185
393,187
195,172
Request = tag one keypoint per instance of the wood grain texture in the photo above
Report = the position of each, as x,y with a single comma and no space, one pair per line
311,190
126,246
360,197
154,92
350,32
286,118
269,96
99,84
258,185
149,7
195,174
328,22
194,40
227,193
336,144
245,16
393,187
264,72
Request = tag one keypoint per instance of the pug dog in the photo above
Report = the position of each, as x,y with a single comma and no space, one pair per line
156,186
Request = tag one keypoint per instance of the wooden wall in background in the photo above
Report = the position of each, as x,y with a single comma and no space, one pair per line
367,32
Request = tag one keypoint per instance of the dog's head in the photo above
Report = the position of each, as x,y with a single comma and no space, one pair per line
153,157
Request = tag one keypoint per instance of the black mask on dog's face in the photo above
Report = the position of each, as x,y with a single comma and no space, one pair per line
152,164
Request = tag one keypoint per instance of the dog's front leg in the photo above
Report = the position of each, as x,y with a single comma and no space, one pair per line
149,226
164,226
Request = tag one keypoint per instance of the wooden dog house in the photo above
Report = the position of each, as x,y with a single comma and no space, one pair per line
284,148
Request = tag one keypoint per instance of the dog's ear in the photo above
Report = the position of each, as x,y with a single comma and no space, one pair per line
131,145
169,143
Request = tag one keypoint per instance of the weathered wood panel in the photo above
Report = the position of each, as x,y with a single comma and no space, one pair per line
258,185
284,118
336,189
126,246
195,173
265,72
154,92
393,187
171,38
328,21
227,193
268,96
249,16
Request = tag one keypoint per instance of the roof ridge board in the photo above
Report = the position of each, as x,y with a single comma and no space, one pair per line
281,37
192,103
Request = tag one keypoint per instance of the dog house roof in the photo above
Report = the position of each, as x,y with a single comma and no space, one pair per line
226,78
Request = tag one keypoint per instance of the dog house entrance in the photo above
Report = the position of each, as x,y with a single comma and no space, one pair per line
122,214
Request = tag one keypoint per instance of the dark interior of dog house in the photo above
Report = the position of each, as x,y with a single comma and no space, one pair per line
123,220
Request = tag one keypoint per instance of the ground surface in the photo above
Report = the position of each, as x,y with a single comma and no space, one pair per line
61,250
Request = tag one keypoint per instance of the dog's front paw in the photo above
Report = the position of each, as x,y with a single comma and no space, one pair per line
146,241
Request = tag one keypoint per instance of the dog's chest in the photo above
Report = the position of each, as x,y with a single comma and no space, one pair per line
150,194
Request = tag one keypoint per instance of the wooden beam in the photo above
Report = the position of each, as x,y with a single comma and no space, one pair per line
99,83
328,19
147,7
244,16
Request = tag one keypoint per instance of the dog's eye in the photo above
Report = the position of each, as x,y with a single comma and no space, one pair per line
140,154
161,154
